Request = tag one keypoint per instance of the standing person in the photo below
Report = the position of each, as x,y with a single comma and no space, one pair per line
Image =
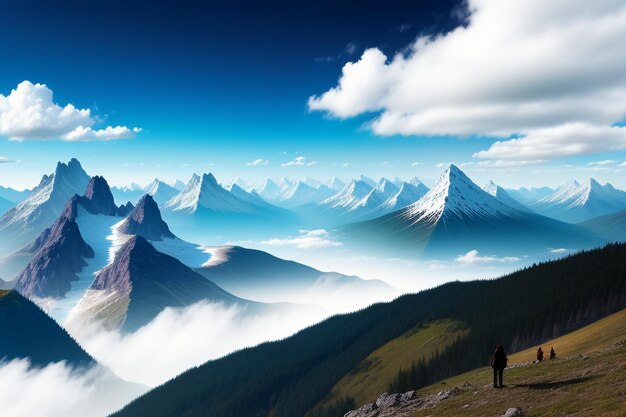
498,363
539,354
552,353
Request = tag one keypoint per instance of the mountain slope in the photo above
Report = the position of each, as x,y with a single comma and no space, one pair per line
611,226
574,202
204,194
12,195
289,377
258,275
302,194
60,252
160,191
407,194
457,216
501,195
145,220
139,284
5,205
26,331
29,218
61,256
529,196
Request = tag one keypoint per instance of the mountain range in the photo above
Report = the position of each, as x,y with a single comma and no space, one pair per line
575,202
121,265
456,216
28,219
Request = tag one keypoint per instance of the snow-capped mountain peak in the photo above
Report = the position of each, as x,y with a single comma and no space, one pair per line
51,194
335,184
455,194
349,196
205,192
367,181
501,195
385,188
160,191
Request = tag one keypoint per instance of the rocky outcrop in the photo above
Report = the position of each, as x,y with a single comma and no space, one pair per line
513,412
404,405
97,200
145,220
60,256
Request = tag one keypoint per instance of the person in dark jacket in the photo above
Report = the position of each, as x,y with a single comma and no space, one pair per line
539,354
498,363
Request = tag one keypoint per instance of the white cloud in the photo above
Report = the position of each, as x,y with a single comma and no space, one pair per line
414,164
603,162
472,257
258,162
58,390
516,68
560,250
623,164
308,239
29,112
5,160
557,142
299,161
172,339
84,134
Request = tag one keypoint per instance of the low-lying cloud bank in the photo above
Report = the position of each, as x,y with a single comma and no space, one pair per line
178,339
58,390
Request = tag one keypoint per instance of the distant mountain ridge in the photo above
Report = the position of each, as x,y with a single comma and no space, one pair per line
574,202
457,216
28,219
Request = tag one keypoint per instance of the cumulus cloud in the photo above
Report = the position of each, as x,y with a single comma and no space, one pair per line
29,112
58,390
308,239
623,164
299,161
173,342
258,162
473,257
559,141
83,134
515,69
5,160
414,164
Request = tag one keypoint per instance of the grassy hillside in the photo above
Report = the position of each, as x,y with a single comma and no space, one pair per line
374,374
291,377
577,386
597,336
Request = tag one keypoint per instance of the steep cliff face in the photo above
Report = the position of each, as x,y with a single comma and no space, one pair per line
139,284
61,253
97,200
145,220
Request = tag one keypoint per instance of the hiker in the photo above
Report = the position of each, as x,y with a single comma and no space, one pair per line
539,355
552,353
498,363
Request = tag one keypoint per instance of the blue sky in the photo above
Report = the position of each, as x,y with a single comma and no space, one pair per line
215,87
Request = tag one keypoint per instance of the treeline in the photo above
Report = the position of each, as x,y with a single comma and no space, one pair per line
290,377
